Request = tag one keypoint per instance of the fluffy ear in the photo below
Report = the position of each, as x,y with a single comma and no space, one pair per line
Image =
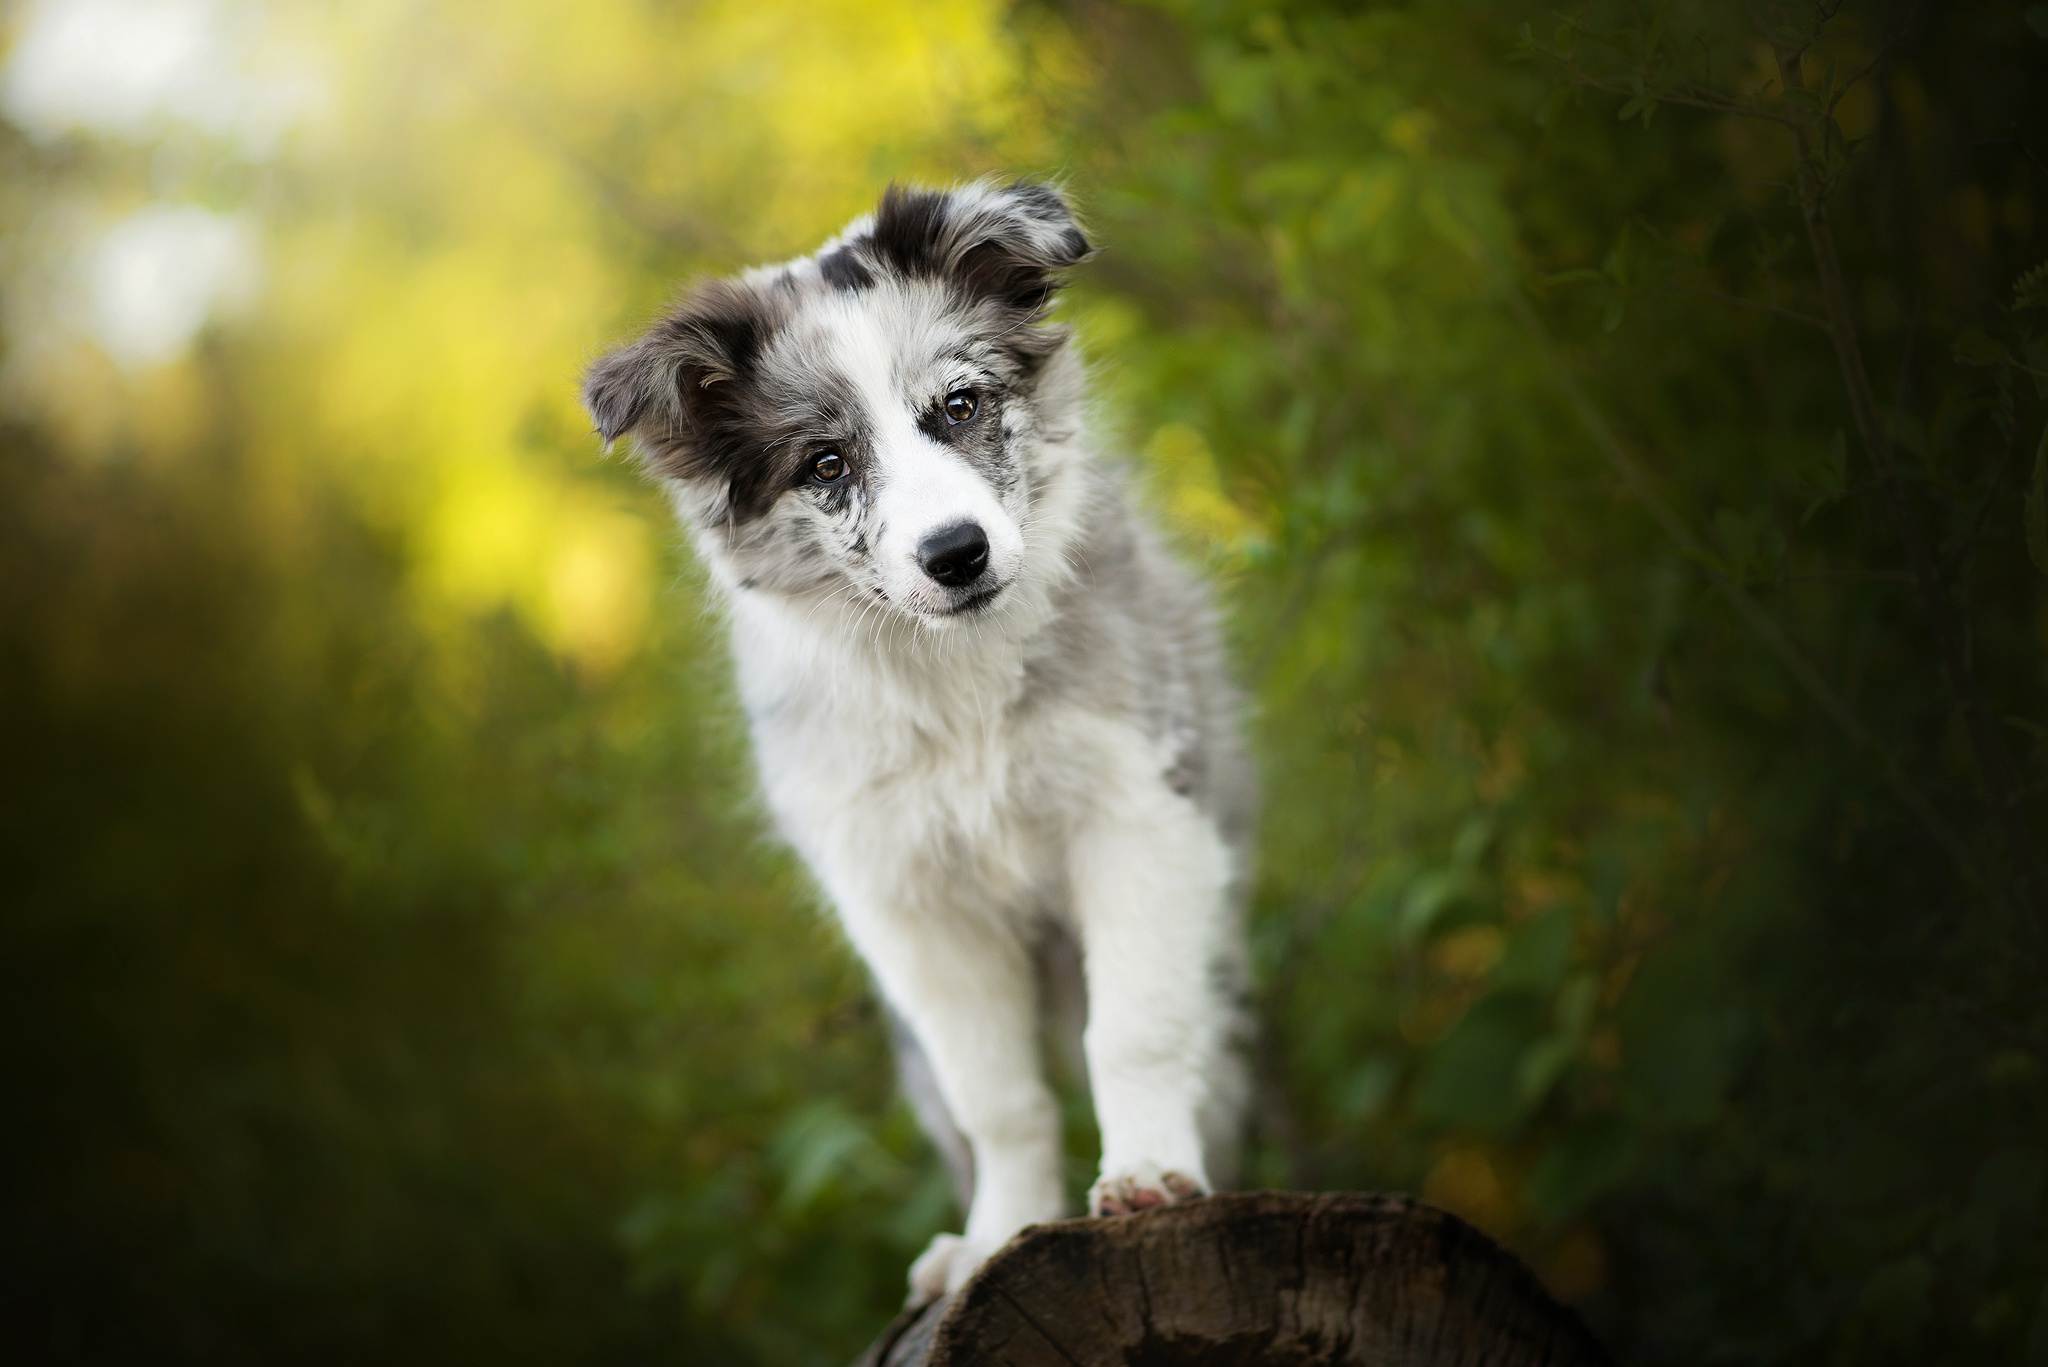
671,386
1007,243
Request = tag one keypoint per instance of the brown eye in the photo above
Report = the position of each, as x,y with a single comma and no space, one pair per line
959,405
828,467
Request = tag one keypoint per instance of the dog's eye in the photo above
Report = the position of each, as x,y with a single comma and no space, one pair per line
828,467
960,405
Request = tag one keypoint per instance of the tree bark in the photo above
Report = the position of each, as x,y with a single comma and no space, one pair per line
1255,1279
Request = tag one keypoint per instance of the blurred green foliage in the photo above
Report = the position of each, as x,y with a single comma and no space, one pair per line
392,961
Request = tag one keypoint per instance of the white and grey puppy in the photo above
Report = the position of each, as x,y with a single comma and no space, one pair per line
988,708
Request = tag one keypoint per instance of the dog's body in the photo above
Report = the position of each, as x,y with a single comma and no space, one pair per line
988,708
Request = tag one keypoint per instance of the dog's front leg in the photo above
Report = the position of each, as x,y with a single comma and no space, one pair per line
963,982
1151,886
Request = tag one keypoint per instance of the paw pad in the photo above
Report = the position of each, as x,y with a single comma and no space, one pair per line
1131,1193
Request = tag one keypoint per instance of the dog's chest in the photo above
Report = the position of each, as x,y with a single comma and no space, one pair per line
941,763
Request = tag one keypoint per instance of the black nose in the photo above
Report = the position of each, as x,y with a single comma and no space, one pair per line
955,555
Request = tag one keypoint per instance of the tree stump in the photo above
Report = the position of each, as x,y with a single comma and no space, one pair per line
1254,1279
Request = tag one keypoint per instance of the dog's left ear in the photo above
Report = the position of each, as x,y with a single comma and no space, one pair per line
1004,243
619,388
674,386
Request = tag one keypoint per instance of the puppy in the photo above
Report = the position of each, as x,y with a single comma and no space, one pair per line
988,708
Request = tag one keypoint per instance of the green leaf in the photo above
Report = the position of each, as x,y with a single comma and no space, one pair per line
1895,1300
1751,542
1679,1039
1471,1081
1471,843
1430,896
2030,291
2036,516
1360,1096
1806,102
1582,1165
1974,347
1826,478
2005,1199
1538,953
1617,309
1615,267
1578,275
1552,103
1835,465
1543,1065
1907,430
1679,1070
1575,1004
2037,19
821,1145
2037,1334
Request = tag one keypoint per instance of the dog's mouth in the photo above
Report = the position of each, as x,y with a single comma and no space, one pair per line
968,605
975,602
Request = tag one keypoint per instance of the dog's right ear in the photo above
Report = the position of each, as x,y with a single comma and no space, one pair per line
1005,242
673,385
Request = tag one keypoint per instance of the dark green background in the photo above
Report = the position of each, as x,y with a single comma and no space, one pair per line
344,1019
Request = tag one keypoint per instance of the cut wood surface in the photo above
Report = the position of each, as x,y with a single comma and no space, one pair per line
1253,1279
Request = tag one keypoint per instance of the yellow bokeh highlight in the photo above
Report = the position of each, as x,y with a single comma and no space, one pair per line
1464,1181
1182,472
486,195
599,588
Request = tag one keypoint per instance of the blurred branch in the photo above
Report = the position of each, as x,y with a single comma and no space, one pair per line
1952,563
1645,88
1824,12
1987,752
1757,305
1684,94
1795,662
1851,577
1985,1019
1823,157
1303,592
690,234
2024,150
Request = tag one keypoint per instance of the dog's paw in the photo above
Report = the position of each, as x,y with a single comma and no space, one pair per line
944,1267
1143,1188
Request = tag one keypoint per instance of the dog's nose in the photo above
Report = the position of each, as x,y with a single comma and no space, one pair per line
954,556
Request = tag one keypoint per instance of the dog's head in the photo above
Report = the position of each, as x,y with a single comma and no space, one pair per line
860,422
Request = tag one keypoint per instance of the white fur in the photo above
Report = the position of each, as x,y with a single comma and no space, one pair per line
950,801
941,822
